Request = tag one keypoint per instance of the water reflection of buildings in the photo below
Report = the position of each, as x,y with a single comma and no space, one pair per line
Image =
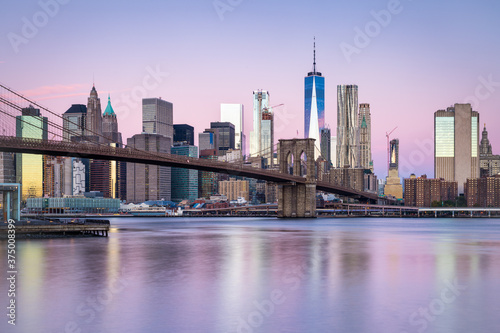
216,273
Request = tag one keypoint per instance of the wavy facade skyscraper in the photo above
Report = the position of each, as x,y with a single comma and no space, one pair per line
314,105
347,126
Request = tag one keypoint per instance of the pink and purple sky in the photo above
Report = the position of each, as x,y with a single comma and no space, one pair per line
416,57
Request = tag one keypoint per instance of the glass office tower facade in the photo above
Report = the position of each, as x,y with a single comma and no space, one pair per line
260,105
234,114
456,144
226,136
184,133
325,143
29,167
184,181
314,105
157,117
314,109
145,181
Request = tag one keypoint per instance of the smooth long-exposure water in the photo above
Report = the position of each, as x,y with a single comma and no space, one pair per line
262,275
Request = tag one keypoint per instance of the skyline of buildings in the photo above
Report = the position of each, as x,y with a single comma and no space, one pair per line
54,175
198,82
353,140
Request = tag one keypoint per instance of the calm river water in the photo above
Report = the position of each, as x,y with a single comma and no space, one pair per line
262,275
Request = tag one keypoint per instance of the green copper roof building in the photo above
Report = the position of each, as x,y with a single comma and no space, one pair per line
363,123
109,109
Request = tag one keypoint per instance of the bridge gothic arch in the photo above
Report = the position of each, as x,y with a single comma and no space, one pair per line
296,156
289,163
303,164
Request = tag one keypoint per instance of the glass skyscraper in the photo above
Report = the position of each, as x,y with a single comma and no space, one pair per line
234,114
145,181
226,136
29,167
184,181
314,108
260,105
456,144
157,117
184,133
74,121
325,143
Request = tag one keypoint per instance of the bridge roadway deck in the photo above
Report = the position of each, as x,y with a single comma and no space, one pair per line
93,151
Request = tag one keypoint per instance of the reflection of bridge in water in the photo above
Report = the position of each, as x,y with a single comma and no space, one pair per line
297,182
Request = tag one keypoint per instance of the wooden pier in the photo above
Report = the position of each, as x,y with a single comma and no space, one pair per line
26,229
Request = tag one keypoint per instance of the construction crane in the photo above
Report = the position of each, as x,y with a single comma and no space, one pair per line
271,108
387,135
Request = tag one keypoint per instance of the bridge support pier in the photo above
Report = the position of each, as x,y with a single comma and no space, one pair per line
296,157
297,200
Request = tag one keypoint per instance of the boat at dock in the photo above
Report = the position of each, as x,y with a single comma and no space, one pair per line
155,211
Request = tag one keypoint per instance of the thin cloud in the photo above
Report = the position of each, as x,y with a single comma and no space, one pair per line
50,92
61,96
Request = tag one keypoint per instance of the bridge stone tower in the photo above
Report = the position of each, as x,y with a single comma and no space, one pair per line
296,156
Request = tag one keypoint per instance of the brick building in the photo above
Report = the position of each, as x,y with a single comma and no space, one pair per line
483,192
422,191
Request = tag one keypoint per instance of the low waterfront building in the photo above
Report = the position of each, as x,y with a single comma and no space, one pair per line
72,205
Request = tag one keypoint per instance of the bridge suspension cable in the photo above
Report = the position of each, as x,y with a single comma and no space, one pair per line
13,101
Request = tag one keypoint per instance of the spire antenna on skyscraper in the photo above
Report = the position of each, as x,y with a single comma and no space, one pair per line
314,52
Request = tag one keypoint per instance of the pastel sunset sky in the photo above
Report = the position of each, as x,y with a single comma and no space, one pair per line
409,59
